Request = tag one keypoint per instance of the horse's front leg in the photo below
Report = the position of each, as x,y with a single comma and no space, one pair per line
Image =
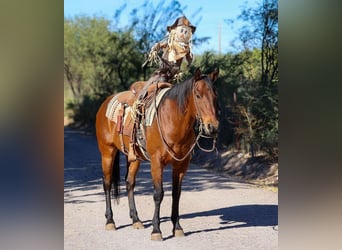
132,169
158,195
178,173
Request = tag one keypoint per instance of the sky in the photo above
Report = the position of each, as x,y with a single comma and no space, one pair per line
213,13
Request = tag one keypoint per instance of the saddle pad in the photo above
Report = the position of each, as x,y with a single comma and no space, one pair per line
113,108
151,110
127,121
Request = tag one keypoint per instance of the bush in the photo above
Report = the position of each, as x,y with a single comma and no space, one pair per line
84,113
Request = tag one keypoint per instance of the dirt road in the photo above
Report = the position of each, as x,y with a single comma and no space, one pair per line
215,212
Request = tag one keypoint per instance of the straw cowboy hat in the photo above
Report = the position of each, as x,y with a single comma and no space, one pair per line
182,21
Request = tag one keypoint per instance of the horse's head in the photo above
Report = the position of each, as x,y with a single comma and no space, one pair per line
205,99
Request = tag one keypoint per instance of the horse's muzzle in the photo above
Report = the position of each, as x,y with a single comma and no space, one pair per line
210,129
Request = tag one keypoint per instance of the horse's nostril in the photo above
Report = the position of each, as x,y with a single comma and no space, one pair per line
211,129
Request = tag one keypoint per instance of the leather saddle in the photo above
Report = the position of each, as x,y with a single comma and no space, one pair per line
133,125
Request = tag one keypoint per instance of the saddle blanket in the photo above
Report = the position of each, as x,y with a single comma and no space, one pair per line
151,110
114,106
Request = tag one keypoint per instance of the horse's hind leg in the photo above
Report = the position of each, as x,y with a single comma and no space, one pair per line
108,174
132,169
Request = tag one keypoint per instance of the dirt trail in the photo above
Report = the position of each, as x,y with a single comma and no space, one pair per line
215,212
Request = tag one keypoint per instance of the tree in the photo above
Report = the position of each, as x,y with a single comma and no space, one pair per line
85,39
259,96
237,73
262,32
97,63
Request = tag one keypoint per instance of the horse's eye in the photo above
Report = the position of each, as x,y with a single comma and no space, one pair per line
198,96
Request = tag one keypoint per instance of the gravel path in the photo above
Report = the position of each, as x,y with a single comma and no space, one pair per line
215,212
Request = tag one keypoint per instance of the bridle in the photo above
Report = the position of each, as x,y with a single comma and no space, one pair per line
200,134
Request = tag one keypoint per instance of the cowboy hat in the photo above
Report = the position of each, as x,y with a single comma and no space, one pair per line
182,21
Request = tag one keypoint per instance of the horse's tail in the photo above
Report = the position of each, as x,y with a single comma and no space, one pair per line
116,177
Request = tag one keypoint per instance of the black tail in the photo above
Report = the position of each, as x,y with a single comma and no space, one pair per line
116,177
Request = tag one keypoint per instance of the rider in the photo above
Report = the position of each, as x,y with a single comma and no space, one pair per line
175,47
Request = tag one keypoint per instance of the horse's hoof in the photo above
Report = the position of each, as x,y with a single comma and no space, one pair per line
179,233
138,225
110,226
156,237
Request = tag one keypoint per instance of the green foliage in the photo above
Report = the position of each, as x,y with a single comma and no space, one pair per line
239,74
84,40
249,106
84,113
97,61
256,108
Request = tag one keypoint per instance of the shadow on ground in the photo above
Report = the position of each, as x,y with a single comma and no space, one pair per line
249,215
231,217
82,170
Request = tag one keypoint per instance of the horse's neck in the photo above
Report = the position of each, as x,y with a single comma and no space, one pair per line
180,121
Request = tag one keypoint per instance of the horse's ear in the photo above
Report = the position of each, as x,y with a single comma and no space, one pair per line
197,74
213,76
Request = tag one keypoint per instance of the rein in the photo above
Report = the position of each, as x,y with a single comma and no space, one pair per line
198,117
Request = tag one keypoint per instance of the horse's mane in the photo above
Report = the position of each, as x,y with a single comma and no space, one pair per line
181,91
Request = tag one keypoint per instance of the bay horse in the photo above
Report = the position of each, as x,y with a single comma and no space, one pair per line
169,140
